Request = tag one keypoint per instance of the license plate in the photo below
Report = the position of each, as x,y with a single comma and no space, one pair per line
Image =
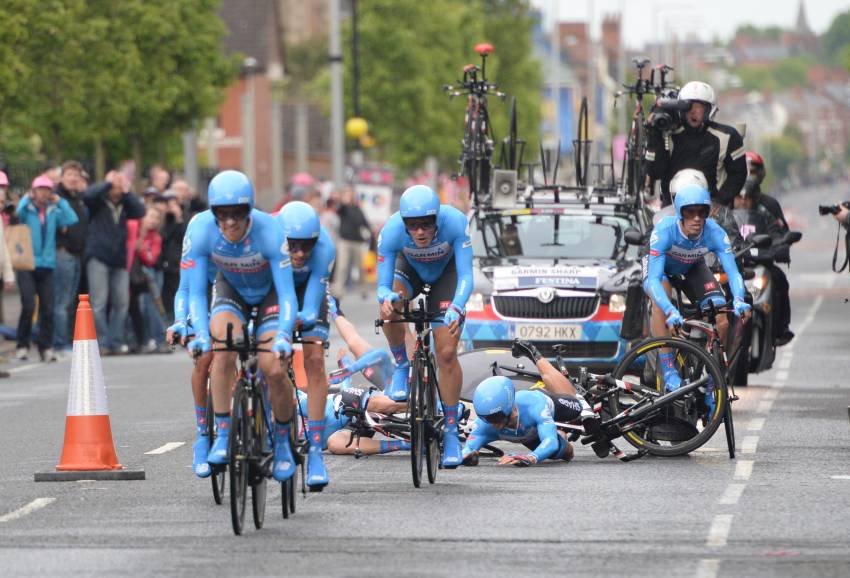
548,332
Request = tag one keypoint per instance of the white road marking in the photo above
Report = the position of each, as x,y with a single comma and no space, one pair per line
756,424
744,469
36,504
782,375
764,406
840,477
784,362
708,568
22,368
732,494
166,448
719,531
810,317
748,446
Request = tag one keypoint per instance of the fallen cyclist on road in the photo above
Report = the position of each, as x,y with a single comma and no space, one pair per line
527,417
677,251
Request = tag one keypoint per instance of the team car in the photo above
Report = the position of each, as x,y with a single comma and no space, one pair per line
555,269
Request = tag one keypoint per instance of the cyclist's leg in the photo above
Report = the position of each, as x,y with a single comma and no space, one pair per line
450,374
200,374
407,284
658,328
701,287
341,444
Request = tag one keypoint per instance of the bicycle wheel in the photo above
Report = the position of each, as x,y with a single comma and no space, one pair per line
238,447
730,431
432,415
219,473
416,405
287,488
682,426
636,150
259,452
581,145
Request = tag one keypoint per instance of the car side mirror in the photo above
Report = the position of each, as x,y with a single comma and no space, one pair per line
633,237
761,240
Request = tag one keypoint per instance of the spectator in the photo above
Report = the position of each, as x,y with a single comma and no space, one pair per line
330,219
173,230
159,178
5,262
144,246
4,198
43,211
151,194
189,200
110,204
70,249
354,232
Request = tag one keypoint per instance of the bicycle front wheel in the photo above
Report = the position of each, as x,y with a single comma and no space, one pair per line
416,405
432,415
238,447
260,450
679,427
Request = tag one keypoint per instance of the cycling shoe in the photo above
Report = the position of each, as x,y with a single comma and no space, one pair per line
452,449
317,475
284,464
397,390
200,451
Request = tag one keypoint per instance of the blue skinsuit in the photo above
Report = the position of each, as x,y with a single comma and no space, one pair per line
450,241
181,298
315,273
376,364
251,266
672,253
535,425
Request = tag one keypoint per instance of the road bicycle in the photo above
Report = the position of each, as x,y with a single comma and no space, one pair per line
478,142
424,409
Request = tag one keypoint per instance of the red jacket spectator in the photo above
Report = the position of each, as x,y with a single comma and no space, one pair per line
147,248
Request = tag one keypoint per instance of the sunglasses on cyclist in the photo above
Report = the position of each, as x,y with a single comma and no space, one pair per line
237,214
424,224
700,211
497,418
301,245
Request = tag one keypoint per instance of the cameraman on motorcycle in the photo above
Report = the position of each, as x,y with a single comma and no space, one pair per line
715,149
764,215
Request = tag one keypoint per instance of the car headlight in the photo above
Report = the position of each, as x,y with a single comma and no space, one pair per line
617,303
759,282
475,302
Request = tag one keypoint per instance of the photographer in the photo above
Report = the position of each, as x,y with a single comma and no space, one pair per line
843,216
690,139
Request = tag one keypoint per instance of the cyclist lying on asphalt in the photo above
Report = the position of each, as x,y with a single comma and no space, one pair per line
527,417
312,253
426,242
677,249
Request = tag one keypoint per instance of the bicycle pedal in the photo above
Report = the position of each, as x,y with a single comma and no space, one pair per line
316,489
734,398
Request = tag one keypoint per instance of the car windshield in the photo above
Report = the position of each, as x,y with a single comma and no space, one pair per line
538,236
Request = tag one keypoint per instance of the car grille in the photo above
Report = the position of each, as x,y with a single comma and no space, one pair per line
532,308
571,349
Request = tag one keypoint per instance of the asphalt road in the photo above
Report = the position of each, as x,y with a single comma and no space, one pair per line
779,509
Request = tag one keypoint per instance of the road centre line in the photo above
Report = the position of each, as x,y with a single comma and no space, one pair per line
744,469
718,533
782,375
748,446
764,406
732,494
165,448
784,362
708,568
756,424
36,504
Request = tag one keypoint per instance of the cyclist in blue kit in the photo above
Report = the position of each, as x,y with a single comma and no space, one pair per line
312,254
426,242
249,249
677,250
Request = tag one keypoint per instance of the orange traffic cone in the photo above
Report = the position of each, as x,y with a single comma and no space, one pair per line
298,368
88,451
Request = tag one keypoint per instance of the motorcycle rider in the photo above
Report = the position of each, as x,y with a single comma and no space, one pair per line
758,217
717,150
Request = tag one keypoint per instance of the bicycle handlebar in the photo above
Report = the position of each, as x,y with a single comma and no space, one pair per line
419,315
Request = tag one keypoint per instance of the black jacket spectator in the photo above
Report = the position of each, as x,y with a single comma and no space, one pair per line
107,239
73,238
715,149
172,244
351,223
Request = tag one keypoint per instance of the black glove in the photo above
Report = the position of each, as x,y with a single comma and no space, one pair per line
522,348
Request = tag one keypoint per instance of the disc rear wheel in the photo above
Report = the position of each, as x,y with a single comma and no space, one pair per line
238,448
432,415
416,404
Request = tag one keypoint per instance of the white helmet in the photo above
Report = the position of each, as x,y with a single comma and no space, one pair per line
702,92
687,177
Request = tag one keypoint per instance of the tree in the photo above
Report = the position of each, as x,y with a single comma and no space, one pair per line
837,36
409,49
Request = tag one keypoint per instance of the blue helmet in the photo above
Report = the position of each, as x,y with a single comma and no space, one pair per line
299,221
230,188
419,201
691,195
494,395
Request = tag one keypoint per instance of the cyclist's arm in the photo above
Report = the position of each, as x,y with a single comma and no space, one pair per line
317,284
548,434
387,250
481,435
181,297
463,263
658,245
724,253
284,284
195,267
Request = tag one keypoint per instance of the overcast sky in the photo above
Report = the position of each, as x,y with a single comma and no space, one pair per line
648,20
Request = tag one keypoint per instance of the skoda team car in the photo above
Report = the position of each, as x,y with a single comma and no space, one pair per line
554,273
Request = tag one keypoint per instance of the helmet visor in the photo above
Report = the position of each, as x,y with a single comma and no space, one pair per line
693,211
236,213
497,419
301,245
420,223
